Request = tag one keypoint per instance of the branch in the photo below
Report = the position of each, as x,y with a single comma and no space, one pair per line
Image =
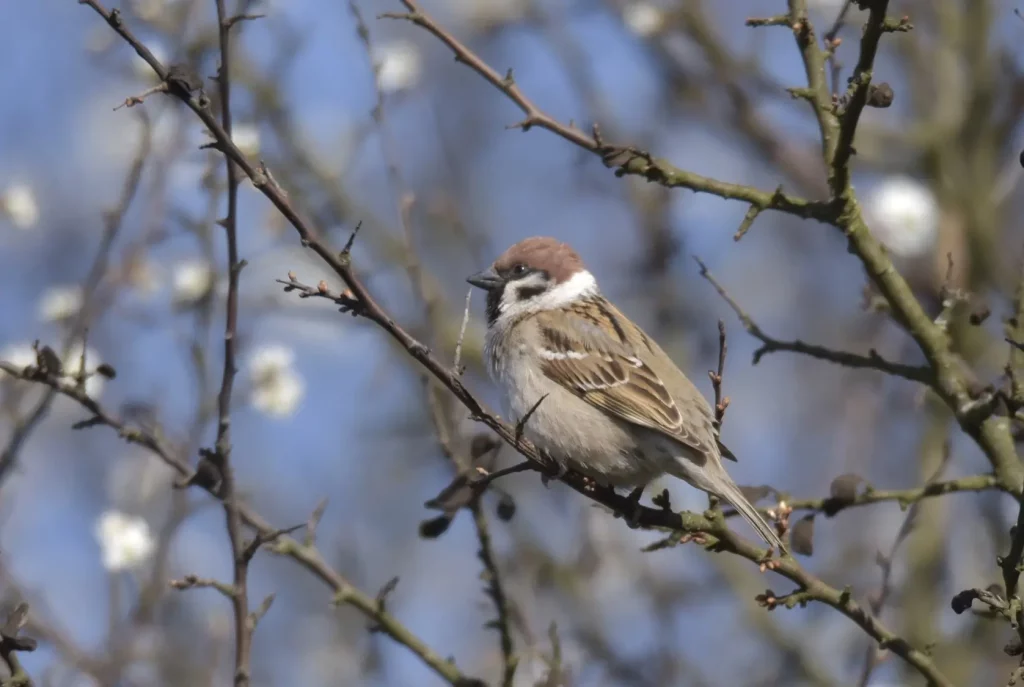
626,160
113,221
857,94
904,497
877,603
953,381
722,539
221,455
872,361
305,554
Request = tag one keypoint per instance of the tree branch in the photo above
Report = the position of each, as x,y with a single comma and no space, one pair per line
625,159
873,360
305,554
221,454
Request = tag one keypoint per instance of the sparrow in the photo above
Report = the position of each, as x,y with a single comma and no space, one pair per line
599,395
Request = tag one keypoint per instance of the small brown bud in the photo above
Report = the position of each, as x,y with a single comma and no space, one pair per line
291,275
880,95
322,286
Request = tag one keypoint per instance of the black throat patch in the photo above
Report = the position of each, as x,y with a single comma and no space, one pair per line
493,301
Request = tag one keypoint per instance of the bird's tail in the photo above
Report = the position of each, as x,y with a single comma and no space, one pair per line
728,490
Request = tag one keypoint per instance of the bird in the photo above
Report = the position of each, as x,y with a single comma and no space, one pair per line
598,395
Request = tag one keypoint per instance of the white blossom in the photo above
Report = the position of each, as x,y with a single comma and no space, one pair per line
643,18
20,355
903,214
277,387
72,364
247,138
192,280
125,541
60,303
397,65
18,204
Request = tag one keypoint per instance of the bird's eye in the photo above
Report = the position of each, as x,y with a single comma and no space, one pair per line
518,270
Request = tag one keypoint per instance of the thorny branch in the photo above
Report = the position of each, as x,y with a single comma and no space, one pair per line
770,345
221,455
974,414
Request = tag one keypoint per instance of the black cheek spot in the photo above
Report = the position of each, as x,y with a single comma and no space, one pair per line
527,292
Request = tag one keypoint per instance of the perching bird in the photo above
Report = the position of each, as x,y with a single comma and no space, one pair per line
616,408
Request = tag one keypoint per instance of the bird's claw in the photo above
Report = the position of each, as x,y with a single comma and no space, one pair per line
633,516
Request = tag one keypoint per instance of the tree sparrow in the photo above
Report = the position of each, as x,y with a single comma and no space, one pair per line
615,407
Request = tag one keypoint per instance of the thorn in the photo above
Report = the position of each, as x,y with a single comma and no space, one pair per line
347,250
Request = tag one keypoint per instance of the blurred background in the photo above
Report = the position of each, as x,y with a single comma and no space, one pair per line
107,226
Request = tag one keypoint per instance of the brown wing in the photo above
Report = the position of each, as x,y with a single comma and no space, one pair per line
593,358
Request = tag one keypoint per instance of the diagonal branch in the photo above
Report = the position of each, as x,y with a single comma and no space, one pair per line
305,554
625,159
873,360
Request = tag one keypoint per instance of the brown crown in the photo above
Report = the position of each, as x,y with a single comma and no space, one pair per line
556,258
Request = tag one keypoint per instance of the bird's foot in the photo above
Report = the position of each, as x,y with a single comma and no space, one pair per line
556,470
633,516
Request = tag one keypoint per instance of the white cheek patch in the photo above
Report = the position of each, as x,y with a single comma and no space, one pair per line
580,285
510,297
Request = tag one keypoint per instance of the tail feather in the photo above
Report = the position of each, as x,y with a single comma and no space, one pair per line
731,493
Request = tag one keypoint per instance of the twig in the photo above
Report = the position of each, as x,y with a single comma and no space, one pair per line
441,414
721,403
113,221
457,365
833,505
625,159
306,555
871,656
857,94
222,448
496,591
872,361
831,40
480,484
